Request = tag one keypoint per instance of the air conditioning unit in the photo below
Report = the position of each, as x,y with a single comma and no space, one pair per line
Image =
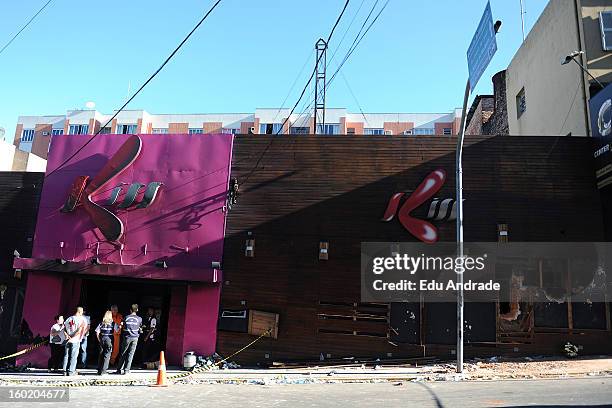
252,130
407,132
388,132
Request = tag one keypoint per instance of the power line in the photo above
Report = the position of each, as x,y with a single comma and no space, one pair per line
358,38
316,64
25,26
347,29
139,89
357,42
364,23
355,99
293,85
303,111
263,153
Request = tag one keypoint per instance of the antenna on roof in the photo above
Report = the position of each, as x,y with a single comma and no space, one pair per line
523,12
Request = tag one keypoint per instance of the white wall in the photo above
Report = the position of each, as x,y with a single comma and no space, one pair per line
36,163
12,159
554,93
7,153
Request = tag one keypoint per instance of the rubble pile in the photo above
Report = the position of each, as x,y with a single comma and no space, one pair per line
535,367
214,370
13,368
214,362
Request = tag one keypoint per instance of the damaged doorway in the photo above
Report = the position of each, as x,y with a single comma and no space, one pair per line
98,294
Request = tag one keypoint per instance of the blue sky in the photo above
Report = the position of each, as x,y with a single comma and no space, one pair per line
246,55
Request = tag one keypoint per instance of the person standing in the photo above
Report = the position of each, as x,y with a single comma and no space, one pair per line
132,326
149,330
104,334
83,346
74,328
117,319
57,338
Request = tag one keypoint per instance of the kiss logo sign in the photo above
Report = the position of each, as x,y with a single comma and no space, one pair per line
83,189
438,209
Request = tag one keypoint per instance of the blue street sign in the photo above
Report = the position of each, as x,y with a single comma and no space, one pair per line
482,48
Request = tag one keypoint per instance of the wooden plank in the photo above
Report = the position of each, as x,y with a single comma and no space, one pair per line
312,189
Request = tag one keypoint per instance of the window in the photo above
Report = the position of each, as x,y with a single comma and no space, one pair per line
126,129
373,131
235,314
270,128
424,131
605,21
78,130
521,104
299,130
446,131
27,135
159,131
230,131
57,132
105,130
329,129
196,131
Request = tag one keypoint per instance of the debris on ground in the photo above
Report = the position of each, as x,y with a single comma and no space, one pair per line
13,368
214,362
476,369
571,350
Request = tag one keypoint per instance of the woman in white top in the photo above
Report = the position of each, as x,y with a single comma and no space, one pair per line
57,338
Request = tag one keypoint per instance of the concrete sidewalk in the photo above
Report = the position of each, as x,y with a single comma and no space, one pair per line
482,370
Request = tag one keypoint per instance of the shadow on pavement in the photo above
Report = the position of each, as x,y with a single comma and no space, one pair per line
432,393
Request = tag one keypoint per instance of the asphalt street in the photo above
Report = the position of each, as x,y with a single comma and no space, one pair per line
593,392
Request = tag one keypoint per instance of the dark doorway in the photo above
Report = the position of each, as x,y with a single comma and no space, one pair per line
97,295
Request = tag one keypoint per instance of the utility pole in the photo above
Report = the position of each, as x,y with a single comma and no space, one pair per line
320,68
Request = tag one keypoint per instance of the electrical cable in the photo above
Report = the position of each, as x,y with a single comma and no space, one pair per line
293,85
263,153
358,38
139,89
316,65
365,120
25,26
356,44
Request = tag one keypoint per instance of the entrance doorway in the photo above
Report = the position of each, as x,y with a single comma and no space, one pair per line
98,294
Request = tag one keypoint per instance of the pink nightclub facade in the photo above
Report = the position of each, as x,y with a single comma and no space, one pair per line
132,219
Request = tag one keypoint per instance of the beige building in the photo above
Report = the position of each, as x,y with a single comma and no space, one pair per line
34,133
545,97
13,159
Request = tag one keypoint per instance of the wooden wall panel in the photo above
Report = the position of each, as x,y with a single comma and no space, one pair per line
309,189
19,199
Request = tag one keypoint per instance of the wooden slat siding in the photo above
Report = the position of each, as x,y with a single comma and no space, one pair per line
310,189
19,200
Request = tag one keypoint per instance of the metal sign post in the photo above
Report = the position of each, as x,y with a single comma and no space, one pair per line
479,54
459,202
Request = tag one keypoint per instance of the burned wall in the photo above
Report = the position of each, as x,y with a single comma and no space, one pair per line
19,199
311,190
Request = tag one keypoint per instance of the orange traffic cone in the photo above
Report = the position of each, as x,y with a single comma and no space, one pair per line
161,372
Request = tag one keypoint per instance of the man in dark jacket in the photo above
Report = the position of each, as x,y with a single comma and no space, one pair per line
132,326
